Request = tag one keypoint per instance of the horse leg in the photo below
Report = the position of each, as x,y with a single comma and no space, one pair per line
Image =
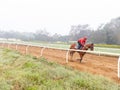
80,60
71,54
81,56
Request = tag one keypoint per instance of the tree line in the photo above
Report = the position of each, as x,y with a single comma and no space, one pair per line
108,33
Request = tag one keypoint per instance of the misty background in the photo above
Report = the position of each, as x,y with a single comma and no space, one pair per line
108,33
60,20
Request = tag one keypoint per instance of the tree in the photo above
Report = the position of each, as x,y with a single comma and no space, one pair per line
79,31
112,31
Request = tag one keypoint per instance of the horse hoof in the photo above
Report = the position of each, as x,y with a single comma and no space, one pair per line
71,61
80,61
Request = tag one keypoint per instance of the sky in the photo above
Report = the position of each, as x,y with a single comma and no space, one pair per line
55,16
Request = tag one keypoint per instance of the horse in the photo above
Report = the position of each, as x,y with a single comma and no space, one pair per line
86,47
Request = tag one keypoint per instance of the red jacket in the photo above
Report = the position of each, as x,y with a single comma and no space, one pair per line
82,41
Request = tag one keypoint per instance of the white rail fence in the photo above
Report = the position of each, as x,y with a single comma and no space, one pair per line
67,53
119,67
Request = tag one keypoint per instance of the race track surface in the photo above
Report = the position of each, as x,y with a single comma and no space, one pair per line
95,64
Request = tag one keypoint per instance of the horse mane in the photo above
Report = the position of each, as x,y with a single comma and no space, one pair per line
87,46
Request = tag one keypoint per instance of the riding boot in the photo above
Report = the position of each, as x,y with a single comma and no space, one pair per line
81,48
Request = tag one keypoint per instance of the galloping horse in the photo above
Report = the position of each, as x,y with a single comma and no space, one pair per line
86,47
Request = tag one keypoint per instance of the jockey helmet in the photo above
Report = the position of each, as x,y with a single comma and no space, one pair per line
85,38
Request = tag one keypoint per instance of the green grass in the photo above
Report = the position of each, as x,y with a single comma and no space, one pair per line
20,72
107,46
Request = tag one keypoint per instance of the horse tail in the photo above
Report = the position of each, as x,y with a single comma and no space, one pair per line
72,46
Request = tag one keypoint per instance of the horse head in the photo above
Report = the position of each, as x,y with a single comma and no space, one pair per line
89,46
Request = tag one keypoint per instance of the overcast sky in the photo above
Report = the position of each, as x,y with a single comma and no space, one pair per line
55,16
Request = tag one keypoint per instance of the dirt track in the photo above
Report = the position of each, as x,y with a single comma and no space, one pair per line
95,64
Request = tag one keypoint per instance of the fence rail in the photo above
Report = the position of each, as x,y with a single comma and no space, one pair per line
2,44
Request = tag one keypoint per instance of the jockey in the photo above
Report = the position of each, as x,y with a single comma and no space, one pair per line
81,42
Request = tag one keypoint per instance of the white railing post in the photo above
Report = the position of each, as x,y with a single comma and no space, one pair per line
119,67
42,51
3,45
67,56
16,47
8,45
27,49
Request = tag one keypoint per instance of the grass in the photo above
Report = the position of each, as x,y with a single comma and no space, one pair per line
107,46
20,72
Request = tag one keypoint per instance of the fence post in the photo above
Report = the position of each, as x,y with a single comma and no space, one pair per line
27,49
67,56
42,51
119,67
8,45
3,45
16,46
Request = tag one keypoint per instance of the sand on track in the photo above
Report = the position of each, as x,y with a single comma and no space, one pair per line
91,63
